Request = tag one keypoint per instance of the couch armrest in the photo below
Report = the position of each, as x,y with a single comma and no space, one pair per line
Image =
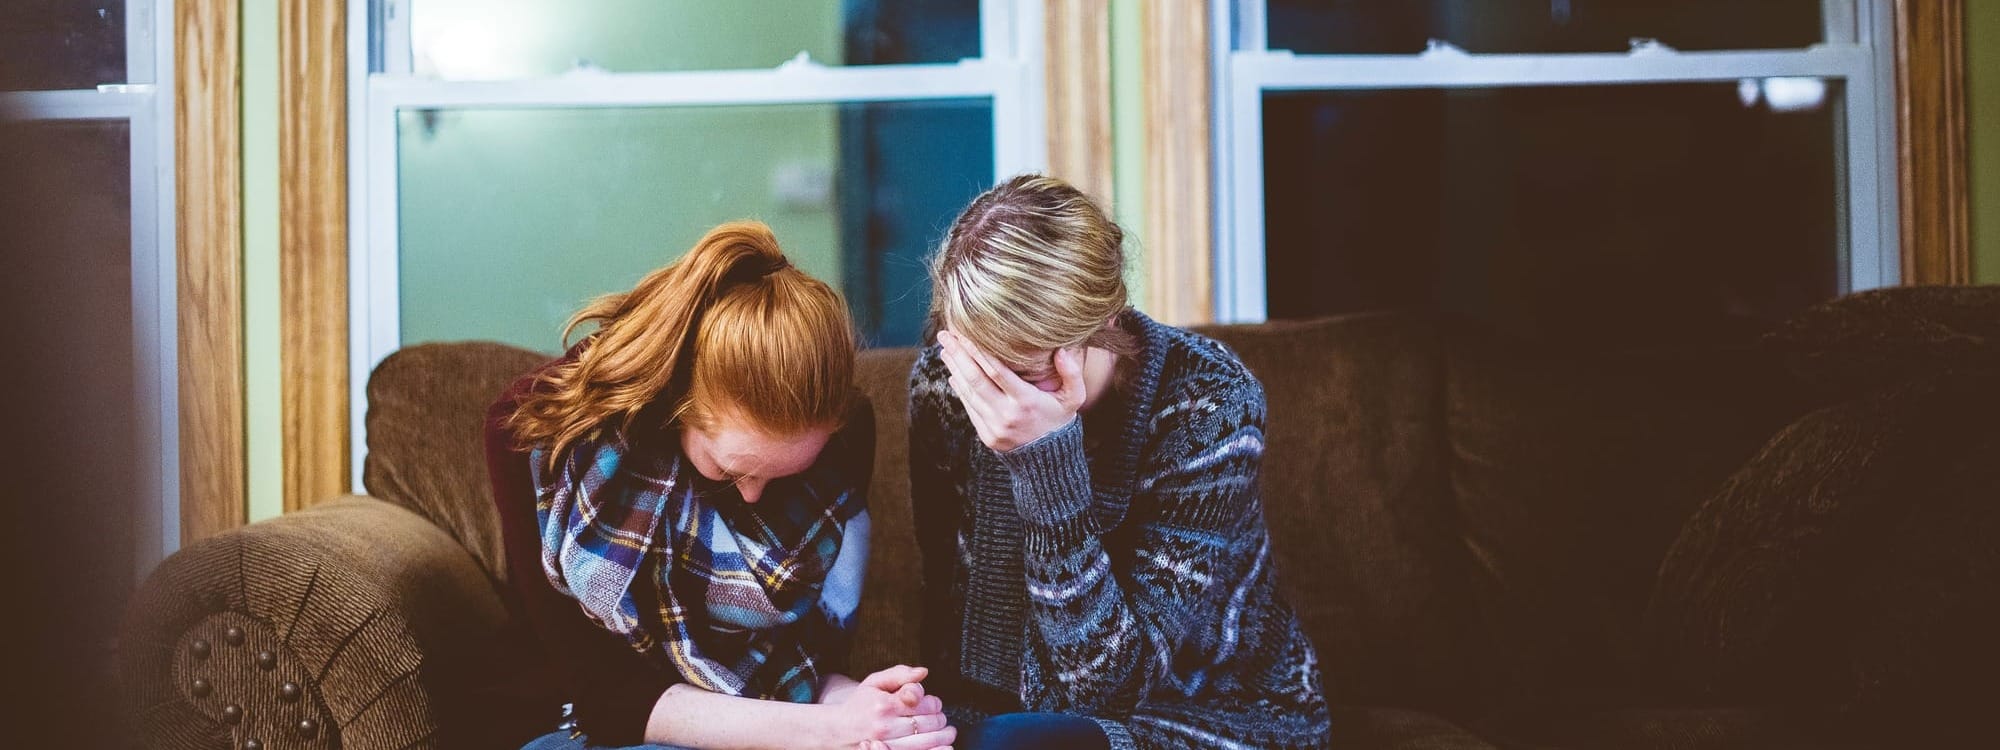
354,624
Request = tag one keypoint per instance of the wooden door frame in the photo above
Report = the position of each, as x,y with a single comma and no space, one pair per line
1180,158
1932,167
312,251
208,189
1077,74
209,241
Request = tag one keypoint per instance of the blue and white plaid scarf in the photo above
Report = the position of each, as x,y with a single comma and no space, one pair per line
743,599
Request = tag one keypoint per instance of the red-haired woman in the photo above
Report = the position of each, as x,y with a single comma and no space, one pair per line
681,504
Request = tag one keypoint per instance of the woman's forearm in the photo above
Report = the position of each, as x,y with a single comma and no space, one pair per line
692,717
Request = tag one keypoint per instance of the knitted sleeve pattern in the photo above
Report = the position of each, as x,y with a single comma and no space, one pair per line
1111,618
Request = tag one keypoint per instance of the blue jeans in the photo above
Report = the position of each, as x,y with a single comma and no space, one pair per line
562,739
1019,731
1033,731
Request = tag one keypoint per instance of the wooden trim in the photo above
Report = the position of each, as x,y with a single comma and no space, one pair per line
208,175
1078,70
1932,166
1179,152
312,141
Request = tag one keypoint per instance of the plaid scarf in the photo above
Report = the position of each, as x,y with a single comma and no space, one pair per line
742,599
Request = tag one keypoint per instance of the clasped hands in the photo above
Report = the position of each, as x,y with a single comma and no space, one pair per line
888,710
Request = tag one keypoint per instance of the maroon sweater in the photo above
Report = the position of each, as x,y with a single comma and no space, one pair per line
610,687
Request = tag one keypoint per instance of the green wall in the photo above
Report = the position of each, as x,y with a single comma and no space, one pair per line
1982,64
593,199
262,366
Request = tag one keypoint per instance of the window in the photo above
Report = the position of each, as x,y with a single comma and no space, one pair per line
1582,167
511,160
86,144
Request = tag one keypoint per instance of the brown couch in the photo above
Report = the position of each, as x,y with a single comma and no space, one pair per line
1493,543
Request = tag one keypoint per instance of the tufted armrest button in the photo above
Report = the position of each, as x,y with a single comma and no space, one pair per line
267,661
232,714
308,728
288,692
201,688
253,744
234,635
200,648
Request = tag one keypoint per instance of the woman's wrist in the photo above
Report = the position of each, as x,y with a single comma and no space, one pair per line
829,727
1051,477
835,687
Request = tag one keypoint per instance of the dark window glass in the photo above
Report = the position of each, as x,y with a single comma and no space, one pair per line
1526,26
50,45
1656,210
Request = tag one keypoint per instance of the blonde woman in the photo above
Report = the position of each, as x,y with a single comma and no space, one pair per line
681,503
1097,569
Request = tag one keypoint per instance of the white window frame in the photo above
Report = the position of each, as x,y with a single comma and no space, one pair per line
146,105
1009,72
1858,51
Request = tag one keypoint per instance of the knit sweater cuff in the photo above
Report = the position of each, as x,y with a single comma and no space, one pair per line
1051,479
1116,735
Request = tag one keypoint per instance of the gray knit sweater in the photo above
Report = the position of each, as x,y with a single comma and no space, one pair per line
1123,575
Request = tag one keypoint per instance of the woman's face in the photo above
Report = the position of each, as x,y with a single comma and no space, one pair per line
731,451
1037,368
1040,370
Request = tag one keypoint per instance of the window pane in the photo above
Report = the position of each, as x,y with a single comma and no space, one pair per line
492,39
61,44
512,219
66,234
1524,26
1653,210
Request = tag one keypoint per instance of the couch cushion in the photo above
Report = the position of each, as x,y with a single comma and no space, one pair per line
1664,729
1367,728
1853,564
1354,491
1573,471
426,436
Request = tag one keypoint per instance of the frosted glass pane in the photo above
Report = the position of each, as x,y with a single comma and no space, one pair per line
491,39
512,219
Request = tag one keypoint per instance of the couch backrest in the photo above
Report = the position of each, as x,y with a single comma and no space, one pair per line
426,436
1572,472
1357,497
1457,522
